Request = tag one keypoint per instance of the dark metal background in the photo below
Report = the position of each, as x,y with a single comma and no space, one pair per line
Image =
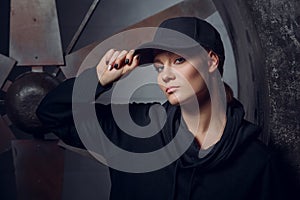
39,169
6,65
6,135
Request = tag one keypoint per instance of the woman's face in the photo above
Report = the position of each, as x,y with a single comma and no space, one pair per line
178,78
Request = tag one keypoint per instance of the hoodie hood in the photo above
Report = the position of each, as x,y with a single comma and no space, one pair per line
236,134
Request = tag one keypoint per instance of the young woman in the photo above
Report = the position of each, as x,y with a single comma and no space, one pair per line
209,151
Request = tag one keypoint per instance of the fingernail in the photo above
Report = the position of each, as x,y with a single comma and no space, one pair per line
138,57
126,61
109,67
116,66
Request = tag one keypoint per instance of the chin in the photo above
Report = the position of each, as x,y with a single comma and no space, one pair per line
183,100
174,103
175,100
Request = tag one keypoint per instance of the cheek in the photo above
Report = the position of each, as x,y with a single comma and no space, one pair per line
191,76
195,80
159,82
198,83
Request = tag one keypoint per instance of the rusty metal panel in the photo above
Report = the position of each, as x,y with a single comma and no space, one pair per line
6,136
34,33
6,65
39,167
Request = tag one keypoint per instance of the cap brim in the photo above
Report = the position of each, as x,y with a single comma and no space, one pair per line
146,51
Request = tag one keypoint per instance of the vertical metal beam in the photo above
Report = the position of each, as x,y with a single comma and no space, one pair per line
34,33
82,25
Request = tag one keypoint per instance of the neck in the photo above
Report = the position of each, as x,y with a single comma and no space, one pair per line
206,129
202,114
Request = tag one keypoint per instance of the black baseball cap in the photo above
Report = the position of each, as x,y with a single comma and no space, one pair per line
179,34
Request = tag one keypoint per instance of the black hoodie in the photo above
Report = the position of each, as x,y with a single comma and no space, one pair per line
237,167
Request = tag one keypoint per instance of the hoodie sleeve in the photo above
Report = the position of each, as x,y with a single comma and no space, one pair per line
55,110
74,101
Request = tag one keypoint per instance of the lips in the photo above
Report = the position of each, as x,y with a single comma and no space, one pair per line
171,89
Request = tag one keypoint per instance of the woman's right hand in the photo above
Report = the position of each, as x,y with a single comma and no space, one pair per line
114,64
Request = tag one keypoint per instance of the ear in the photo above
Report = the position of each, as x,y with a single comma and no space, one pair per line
213,61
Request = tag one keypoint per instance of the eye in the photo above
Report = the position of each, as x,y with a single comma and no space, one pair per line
159,68
179,60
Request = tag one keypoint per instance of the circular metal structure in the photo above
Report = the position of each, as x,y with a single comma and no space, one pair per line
23,98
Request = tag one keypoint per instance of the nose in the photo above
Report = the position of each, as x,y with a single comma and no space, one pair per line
167,74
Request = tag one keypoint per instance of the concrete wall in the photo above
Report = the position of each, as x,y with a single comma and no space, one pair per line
266,41
278,27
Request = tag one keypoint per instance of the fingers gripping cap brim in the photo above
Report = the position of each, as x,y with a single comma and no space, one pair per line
146,56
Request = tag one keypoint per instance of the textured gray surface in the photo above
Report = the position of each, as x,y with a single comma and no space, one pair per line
265,36
278,26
